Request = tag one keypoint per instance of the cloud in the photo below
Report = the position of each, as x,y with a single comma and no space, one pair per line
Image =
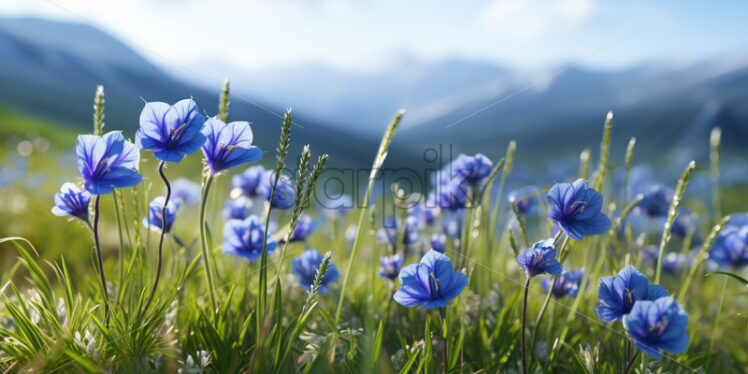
525,20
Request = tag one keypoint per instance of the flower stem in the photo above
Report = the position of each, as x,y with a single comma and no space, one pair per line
631,362
163,232
204,242
443,315
524,323
101,260
716,325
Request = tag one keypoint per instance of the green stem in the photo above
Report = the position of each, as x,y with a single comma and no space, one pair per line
716,325
204,242
99,257
164,225
524,324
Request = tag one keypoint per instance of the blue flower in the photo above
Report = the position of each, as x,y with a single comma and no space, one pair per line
107,162
228,145
284,192
472,169
426,216
731,245
576,209
185,191
526,199
71,201
247,182
657,326
451,196
304,227
452,225
171,132
430,283
390,231
439,243
305,267
245,237
619,293
565,284
656,201
237,208
390,266
539,259
684,224
155,209
671,263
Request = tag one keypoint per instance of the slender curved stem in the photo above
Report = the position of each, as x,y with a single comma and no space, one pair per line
716,325
631,362
524,323
164,225
101,260
443,315
204,242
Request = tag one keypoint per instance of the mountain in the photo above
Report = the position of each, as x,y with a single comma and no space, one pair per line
50,70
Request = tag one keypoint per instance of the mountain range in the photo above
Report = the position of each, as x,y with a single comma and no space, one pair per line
50,69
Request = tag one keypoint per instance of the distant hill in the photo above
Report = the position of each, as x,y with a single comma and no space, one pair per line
50,70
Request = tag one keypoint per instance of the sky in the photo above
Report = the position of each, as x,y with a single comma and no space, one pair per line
368,35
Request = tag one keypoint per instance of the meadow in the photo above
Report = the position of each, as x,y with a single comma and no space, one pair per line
186,249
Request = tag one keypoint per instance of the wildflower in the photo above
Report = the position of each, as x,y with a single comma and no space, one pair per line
656,201
284,193
672,262
658,325
171,132
155,208
245,238
341,204
389,233
684,224
471,169
71,201
439,243
228,145
186,191
452,225
107,162
430,283
565,284
304,227
451,196
247,182
526,199
305,267
390,266
576,209
619,293
236,208
426,216
731,245
539,259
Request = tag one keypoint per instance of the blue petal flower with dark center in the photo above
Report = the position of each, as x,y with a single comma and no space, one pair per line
228,145
526,199
171,132
430,283
284,192
656,201
237,208
390,266
540,259
247,182
658,326
71,201
439,243
619,293
155,209
107,162
304,227
389,233
731,245
305,268
565,284
186,191
576,209
245,237
472,169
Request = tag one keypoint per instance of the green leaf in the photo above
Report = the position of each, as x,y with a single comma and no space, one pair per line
740,279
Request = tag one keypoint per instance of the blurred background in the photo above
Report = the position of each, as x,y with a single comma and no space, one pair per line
472,76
